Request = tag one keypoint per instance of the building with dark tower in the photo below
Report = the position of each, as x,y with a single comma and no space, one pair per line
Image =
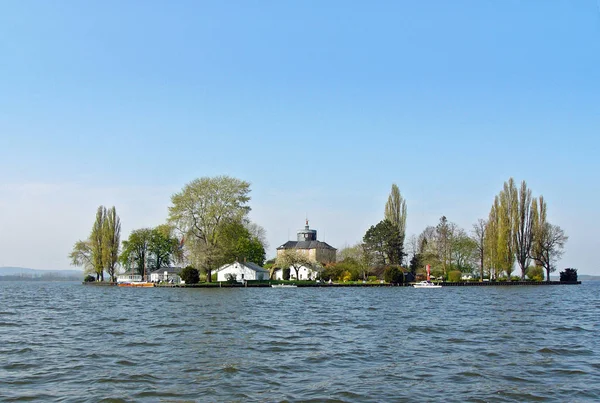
308,244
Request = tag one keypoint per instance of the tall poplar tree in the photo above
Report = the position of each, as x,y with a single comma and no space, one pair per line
100,251
443,236
491,240
523,235
111,239
538,213
395,212
97,243
507,226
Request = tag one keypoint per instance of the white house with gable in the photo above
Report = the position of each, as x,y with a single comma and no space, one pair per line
242,272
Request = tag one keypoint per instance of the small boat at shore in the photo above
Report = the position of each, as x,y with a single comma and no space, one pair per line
136,284
284,285
426,284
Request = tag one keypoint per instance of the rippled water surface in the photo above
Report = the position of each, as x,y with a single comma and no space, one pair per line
68,342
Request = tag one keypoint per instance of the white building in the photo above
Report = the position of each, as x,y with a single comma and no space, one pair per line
242,272
166,274
304,273
129,278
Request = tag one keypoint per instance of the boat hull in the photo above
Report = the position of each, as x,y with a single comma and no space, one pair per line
137,284
426,284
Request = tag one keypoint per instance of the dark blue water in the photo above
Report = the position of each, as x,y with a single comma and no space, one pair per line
73,343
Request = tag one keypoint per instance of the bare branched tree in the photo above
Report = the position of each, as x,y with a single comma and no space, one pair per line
479,232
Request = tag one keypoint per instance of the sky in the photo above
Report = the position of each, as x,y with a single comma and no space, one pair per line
320,105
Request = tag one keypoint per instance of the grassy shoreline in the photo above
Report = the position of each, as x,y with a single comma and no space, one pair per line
349,284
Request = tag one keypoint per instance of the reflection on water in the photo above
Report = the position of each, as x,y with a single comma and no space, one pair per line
68,342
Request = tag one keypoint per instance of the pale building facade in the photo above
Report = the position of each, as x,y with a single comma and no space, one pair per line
304,273
166,274
129,278
307,243
242,271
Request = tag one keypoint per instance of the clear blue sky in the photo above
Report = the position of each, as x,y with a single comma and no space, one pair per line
321,105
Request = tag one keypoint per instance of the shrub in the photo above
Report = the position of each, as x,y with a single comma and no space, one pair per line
372,278
515,278
332,271
535,273
190,275
454,276
231,278
351,275
568,274
89,278
393,275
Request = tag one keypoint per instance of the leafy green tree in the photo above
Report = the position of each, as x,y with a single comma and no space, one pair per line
383,243
429,252
416,263
491,240
81,255
393,274
238,243
523,234
351,269
358,257
97,243
502,228
395,212
136,249
190,275
201,209
111,239
293,259
538,218
333,271
463,251
551,240
270,265
163,247
507,224
100,251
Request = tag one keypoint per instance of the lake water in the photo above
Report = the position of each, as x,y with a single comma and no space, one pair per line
72,343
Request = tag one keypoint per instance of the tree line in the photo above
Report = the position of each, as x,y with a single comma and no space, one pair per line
207,226
516,233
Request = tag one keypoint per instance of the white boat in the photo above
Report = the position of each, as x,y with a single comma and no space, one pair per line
426,284
283,285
